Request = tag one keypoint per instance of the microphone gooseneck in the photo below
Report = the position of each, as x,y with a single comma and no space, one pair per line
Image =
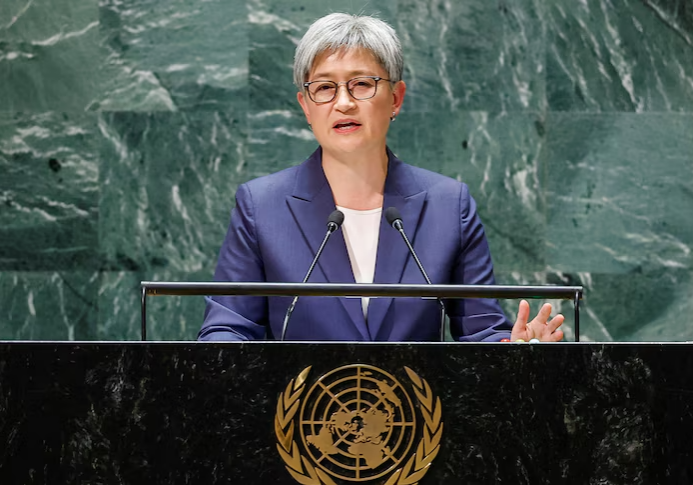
395,220
393,217
334,222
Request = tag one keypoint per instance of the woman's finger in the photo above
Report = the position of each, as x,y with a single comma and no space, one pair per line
555,322
557,336
519,330
522,313
544,314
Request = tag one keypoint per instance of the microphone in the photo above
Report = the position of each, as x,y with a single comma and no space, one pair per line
393,217
334,222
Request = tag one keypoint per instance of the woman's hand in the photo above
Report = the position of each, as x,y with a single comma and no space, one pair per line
540,328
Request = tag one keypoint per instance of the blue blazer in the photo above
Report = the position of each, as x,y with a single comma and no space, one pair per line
280,220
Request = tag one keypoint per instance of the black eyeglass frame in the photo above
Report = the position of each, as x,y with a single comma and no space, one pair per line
345,83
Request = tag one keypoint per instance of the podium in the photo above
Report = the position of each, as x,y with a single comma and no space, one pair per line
226,413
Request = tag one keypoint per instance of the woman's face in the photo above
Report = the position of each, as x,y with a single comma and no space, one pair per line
346,126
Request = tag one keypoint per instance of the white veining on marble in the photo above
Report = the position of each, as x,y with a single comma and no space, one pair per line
65,36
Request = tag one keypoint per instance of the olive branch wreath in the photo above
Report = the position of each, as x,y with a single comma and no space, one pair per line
306,474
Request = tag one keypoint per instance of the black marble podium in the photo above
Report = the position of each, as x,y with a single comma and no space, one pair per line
201,413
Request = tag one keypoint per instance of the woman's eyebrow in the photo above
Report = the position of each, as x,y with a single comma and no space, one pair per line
351,74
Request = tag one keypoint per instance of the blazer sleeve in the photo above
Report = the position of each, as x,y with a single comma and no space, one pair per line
238,317
475,320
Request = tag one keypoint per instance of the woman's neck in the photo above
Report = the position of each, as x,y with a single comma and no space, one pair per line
357,182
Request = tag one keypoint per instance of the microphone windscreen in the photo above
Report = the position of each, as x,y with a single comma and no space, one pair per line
337,217
392,215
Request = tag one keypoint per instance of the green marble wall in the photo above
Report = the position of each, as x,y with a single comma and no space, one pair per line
126,126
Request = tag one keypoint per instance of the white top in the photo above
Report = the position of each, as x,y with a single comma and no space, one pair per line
361,230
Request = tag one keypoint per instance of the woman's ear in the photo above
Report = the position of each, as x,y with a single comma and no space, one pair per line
398,93
304,105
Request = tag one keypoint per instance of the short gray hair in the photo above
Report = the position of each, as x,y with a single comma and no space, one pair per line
342,30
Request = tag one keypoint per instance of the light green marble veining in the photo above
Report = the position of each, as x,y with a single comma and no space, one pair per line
619,56
45,305
485,56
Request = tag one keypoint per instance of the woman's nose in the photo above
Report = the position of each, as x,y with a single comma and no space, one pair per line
343,99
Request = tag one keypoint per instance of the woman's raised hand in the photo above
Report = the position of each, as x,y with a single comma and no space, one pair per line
540,328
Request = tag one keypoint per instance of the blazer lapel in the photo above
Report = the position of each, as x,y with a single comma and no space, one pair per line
403,192
311,204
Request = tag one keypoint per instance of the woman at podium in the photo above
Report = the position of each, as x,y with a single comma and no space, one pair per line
348,71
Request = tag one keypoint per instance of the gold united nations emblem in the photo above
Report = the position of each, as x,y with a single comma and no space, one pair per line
357,423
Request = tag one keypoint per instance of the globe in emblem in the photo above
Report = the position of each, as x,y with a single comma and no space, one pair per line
357,422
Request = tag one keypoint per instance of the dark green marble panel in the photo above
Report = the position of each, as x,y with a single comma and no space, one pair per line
652,306
501,158
640,306
48,305
277,139
165,56
168,317
168,183
119,303
473,55
669,299
48,192
42,19
167,186
50,57
620,192
620,55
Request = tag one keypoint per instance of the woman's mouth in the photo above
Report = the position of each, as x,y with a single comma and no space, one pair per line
347,126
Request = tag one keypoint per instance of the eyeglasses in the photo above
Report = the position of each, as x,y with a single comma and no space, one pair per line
359,88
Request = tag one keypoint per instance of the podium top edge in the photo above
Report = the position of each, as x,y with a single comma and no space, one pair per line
332,343
156,288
